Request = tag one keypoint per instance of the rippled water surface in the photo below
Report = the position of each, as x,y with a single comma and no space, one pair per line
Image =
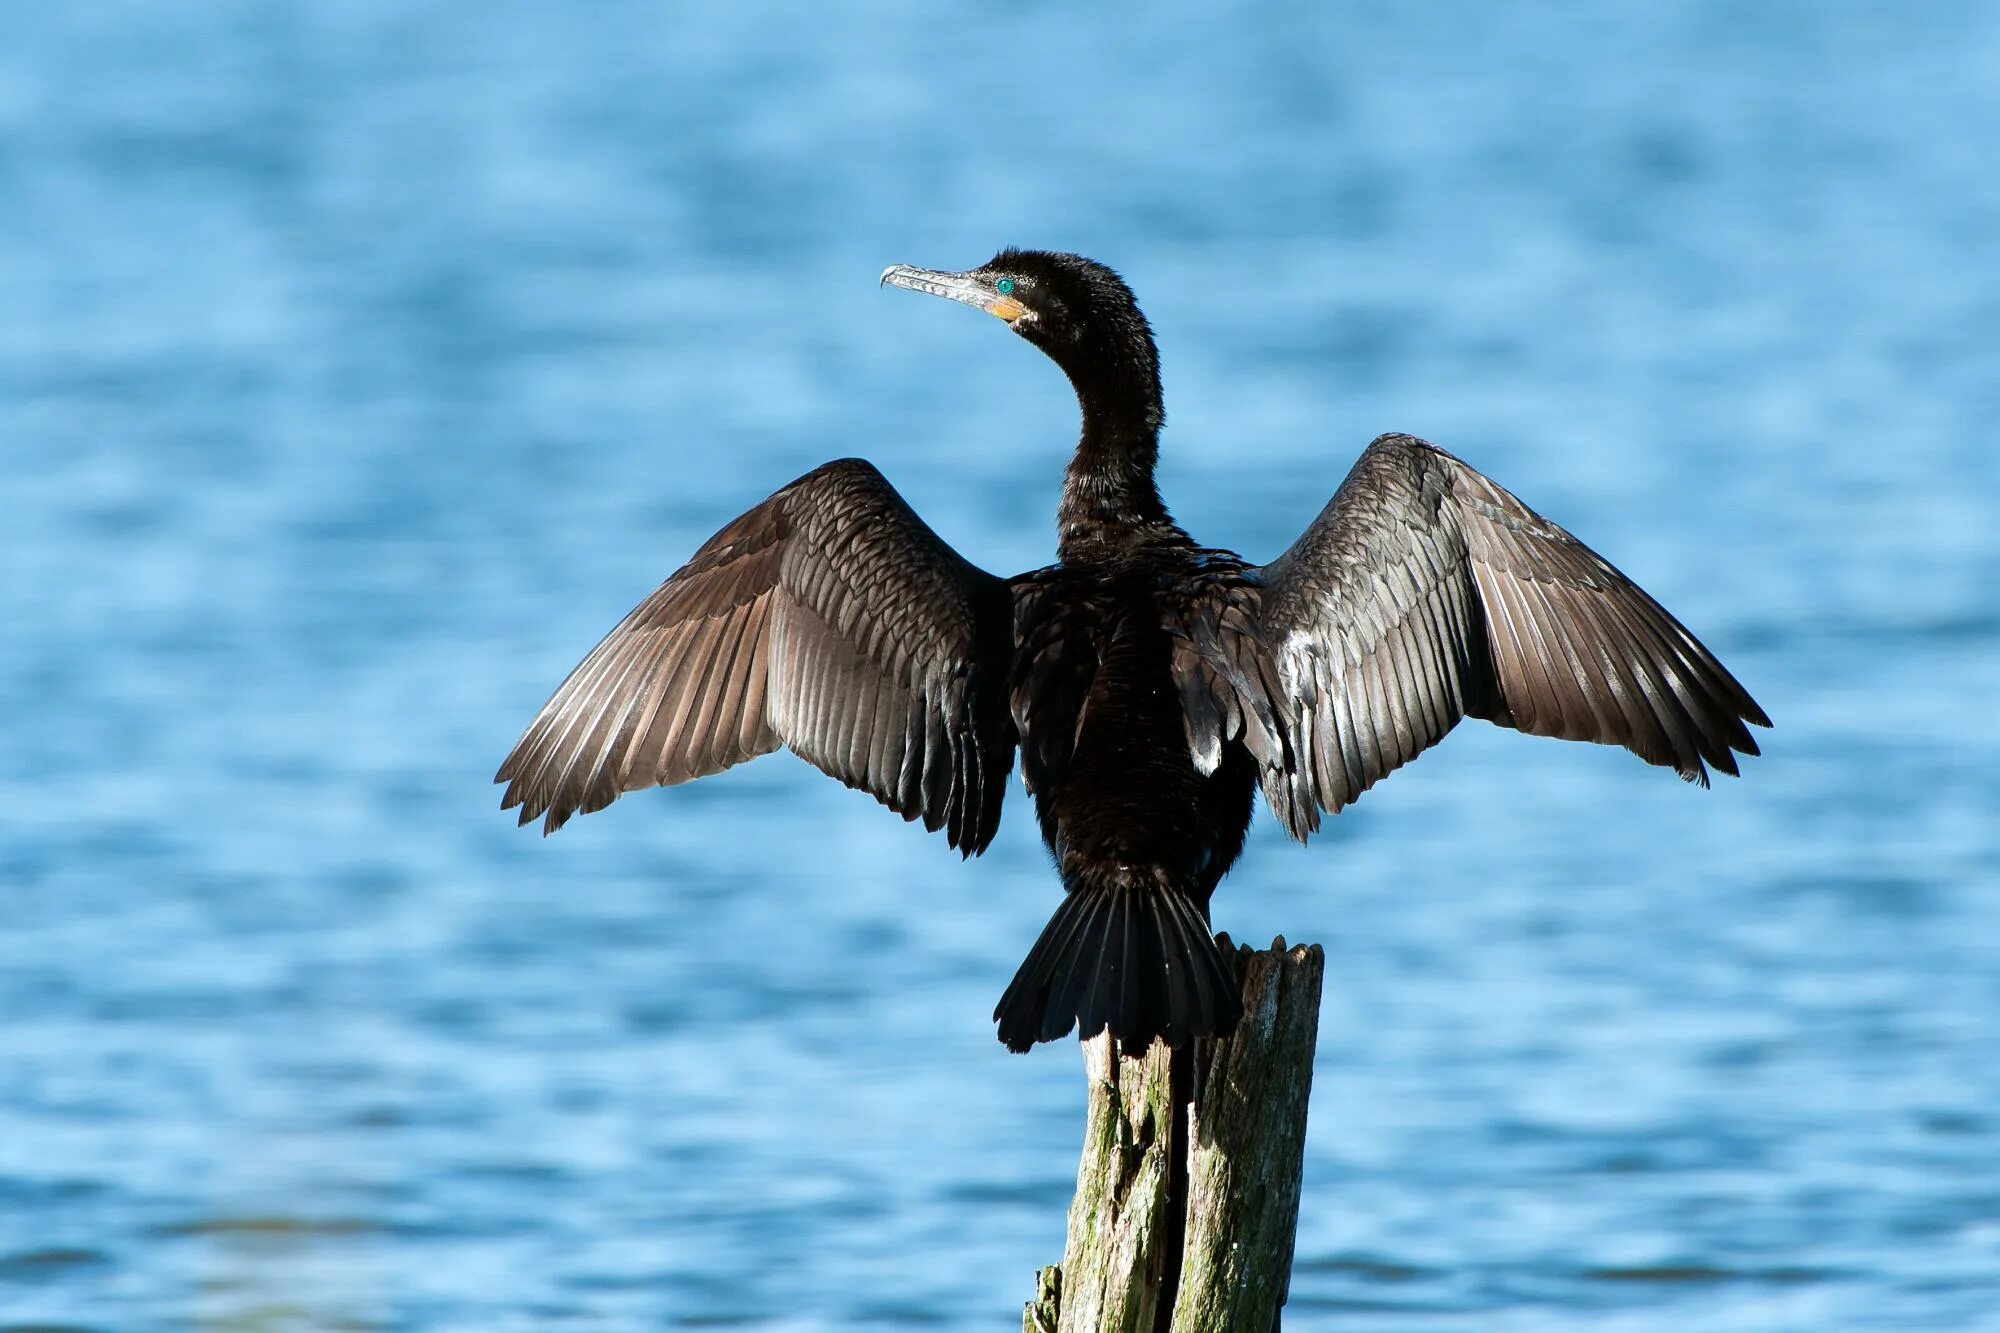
361,362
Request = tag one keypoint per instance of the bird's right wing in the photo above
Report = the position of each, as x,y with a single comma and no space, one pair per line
1424,593
829,619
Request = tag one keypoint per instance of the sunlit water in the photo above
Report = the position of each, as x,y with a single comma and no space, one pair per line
360,363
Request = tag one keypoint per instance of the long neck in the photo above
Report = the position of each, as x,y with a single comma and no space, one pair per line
1109,498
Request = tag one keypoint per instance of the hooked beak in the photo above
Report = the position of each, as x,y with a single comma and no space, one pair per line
968,288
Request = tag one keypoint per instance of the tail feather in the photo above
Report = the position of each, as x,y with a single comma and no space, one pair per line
1074,956
1190,934
1137,958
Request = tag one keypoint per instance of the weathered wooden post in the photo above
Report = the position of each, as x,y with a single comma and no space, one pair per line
1187,1197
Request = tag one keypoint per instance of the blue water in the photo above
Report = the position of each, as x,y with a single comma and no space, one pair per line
361,362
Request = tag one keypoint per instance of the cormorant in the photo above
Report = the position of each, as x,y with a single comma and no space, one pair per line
1150,684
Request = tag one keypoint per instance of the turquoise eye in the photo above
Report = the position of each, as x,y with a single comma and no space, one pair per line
1005,286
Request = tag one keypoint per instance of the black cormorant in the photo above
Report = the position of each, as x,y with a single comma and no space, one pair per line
1150,684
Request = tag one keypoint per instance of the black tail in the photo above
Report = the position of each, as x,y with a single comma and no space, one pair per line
1135,957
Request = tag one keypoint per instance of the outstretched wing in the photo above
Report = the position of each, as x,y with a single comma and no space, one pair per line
1424,593
829,619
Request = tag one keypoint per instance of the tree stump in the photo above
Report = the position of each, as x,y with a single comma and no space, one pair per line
1187,1195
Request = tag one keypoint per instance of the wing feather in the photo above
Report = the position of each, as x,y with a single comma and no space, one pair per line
1425,593
828,619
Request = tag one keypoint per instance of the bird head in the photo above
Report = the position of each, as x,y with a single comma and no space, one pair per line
1076,310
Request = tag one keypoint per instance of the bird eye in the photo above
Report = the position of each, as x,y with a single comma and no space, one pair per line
1005,286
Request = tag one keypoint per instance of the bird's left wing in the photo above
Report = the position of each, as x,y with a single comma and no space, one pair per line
1425,593
829,619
